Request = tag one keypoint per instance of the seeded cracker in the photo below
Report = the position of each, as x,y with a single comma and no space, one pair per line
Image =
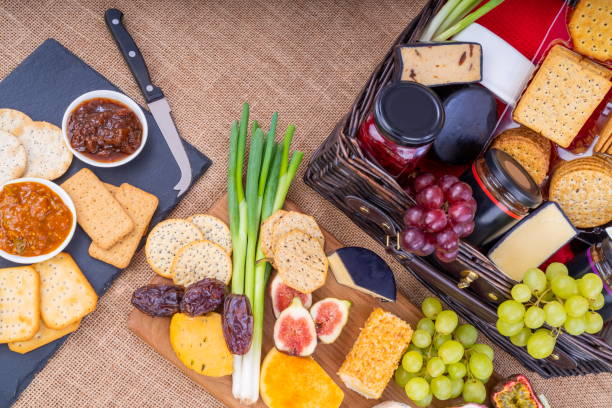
531,150
300,261
43,336
214,230
140,206
591,28
98,213
266,232
562,96
65,293
165,240
48,155
13,121
199,260
12,157
19,303
293,220
583,189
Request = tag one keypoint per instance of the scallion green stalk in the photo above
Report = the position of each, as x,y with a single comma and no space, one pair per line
438,19
462,10
469,19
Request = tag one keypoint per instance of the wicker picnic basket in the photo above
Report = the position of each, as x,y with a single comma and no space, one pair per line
472,285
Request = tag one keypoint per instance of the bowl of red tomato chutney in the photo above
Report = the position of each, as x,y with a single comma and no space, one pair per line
105,128
37,220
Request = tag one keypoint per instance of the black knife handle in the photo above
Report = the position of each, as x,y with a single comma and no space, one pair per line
132,55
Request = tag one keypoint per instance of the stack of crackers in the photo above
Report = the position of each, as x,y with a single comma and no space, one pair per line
583,189
604,143
115,218
294,243
43,302
190,250
31,149
531,150
563,94
591,29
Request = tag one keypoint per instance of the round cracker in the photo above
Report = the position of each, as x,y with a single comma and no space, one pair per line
48,155
293,220
300,261
13,121
199,260
214,230
585,195
266,233
165,240
12,157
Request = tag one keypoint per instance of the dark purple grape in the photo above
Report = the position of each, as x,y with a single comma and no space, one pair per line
430,245
435,220
468,228
414,217
412,239
450,246
446,256
423,181
431,197
459,191
446,181
460,212
445,236
472,204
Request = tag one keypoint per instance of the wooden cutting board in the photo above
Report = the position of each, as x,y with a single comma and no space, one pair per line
154,331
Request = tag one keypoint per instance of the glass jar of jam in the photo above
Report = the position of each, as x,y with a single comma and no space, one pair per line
401,127
504,193
596,259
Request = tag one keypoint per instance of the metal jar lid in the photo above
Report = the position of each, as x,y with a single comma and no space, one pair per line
514,178
409,114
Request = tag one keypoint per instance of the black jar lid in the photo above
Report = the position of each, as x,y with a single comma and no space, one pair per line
513,177
409,114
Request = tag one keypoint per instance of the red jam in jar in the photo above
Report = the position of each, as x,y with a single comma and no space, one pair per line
504,193
402,126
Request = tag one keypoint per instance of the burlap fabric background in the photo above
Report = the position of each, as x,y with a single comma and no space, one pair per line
306,59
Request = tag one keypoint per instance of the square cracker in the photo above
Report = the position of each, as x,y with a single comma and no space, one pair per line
19,303
140,206
65,293
563,94
98,213
43,336
591,28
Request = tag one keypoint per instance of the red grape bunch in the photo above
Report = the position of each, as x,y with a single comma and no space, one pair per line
444,213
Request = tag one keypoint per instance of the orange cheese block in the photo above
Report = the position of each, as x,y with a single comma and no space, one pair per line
297,382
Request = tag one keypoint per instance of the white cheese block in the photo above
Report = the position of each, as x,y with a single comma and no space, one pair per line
532,241
432,64
505,71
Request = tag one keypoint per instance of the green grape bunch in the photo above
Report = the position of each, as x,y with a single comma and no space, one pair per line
444,361
551,298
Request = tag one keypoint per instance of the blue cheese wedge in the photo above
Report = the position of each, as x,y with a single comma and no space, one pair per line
532,241
363,270
433,64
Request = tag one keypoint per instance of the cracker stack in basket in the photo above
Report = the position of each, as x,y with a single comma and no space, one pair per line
531,150
590,29
43,302
582,188
562,95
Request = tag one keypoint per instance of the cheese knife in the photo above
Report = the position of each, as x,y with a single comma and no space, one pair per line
158,105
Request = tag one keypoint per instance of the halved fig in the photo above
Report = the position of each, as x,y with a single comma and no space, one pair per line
282,295
330,316
294,330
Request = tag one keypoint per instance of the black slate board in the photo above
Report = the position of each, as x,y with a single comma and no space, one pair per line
43,86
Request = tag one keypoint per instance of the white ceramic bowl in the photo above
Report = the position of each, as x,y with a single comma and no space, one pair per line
119,97
67,200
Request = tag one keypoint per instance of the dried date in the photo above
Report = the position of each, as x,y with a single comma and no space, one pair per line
203,296
237,323
158,300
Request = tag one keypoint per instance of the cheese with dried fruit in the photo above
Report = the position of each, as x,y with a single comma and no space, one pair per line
432,64
532,241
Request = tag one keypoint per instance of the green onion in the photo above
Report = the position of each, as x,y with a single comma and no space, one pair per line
465,7
438,19
469,19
